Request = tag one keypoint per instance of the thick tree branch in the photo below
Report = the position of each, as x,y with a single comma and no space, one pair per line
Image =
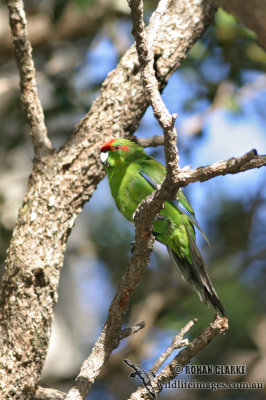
29,96
217,327
48,394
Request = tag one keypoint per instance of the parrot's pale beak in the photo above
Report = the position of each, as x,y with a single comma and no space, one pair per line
104,156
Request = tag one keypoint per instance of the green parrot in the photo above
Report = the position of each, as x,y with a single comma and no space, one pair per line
132,176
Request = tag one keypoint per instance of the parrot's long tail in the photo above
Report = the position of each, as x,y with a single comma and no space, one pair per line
196,275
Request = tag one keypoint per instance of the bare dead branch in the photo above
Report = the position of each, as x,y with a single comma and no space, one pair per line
217,327
177,342
29,96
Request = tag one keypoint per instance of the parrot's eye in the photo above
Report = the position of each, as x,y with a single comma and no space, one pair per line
117,147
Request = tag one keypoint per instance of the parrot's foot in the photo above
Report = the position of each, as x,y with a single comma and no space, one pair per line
133,247
160,218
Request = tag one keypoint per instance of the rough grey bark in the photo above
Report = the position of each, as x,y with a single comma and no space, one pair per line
60,183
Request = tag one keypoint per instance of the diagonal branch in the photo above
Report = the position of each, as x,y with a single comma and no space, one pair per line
29,96
168,187
110,336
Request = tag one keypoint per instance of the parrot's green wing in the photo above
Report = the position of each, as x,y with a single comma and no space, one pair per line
180,241
154,172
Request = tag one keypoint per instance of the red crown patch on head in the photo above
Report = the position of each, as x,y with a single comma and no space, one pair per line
107,146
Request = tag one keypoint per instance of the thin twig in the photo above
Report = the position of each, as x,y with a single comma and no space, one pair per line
29,96
217,327
177,342
132,330
175,367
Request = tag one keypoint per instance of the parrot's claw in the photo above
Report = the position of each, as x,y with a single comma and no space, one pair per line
159,218
155,234
133,247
